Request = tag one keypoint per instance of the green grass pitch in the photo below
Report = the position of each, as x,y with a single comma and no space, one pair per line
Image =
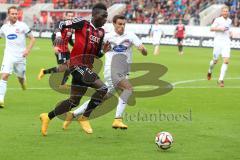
207,129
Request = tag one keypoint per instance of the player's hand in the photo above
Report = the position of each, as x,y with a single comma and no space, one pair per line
143,50
56,49
106,47
26,52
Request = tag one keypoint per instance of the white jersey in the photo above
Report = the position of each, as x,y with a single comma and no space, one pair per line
157,34
223,37
120,44
15,35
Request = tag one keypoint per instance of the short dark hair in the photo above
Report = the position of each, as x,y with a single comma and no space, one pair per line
99,6
12,7
116,17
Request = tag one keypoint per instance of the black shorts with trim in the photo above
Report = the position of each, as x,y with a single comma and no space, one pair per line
62,57
180,40
83,76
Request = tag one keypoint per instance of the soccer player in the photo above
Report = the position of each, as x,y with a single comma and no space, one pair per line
180,34
16,52
156,34
62,52
221,27
88,44
116,69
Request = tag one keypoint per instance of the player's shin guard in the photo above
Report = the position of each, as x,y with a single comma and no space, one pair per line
50,70
223,71
63,107
96,99
122,102
3,89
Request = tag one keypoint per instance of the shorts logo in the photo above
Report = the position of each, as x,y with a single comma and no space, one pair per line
12,36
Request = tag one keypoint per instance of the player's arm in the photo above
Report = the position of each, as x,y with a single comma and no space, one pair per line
175,32
31,43
75,23
216,28
71,42
55,48
100,51
137,42
1,33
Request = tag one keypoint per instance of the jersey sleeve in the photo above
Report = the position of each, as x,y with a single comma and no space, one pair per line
99,52
215,23
106,37
76,23
1,32
135,40
53,37
27,30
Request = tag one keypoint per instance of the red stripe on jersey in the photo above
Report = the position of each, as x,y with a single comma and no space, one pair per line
66,35
180,31
87,42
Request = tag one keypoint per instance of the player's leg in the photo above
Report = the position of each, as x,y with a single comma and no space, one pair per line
156,50
65,106
213,62
80,110
96,99
6,71
225,56
20,71
127,90
3,87
60,60
180,46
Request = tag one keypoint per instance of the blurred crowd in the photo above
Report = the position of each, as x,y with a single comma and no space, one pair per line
141,11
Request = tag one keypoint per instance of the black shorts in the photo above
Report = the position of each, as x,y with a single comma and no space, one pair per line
62,57
180,40
83,76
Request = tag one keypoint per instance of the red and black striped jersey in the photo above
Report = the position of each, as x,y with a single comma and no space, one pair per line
66,35
88,41
180,31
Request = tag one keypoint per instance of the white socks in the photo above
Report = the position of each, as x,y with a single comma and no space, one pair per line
211,66
81,109
122,102
120,108
223,71
3,89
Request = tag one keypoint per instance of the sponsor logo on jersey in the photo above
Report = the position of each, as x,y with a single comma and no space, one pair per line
94,39
119,48
12,36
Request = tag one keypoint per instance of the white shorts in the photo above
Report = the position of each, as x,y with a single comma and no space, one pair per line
112,80
16,65
156,40
221,49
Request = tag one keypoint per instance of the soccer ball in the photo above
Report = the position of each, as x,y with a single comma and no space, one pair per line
164,140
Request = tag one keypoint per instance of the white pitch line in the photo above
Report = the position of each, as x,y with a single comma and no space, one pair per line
174,84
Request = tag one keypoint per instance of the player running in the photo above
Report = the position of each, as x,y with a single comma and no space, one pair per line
15,53
88,44
62,52
116,69
180,34
221,27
